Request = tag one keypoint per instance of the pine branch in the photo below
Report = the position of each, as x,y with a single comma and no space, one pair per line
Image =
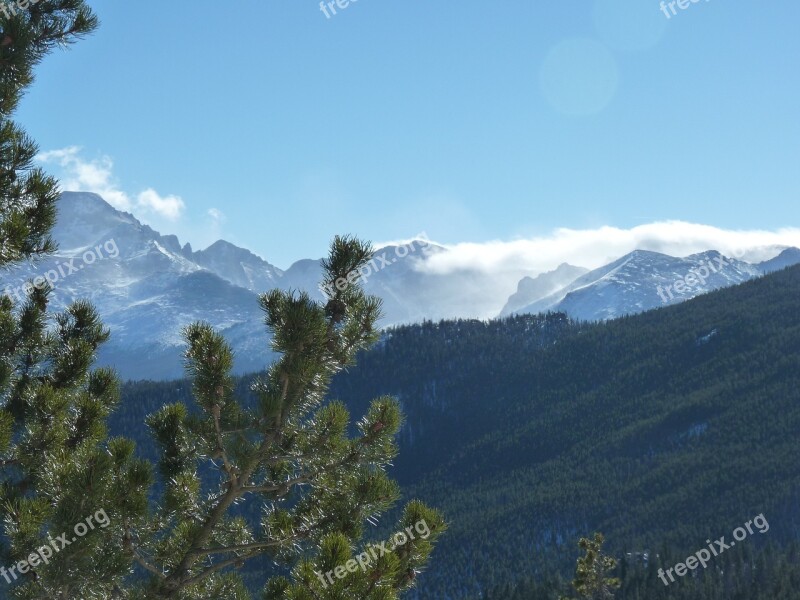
302,444
146,565
283,488
227,465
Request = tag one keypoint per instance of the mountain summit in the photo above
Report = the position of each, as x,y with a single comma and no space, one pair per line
238,266
147,287
643,280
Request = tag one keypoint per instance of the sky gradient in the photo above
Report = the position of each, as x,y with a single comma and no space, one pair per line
272,126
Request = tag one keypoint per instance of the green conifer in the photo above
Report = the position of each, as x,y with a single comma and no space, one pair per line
65,489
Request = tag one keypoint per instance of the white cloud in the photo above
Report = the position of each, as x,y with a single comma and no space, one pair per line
97,176
169,207
594,248
216,215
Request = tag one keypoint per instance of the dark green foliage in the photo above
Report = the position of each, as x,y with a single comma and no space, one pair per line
274,476
767,573
27,195
532,431
58,471
644,428
592,580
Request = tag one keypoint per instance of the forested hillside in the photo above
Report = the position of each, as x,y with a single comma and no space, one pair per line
745,573
661,430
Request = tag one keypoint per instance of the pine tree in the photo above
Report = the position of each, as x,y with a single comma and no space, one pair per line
591,580
279,479
76,518
60,479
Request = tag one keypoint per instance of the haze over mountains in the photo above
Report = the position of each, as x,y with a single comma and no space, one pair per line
147,286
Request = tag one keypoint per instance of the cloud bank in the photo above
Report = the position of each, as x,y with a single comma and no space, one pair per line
593,248
506,260
97,176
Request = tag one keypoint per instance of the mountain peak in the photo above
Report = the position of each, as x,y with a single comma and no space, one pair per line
85,204
787,258
531,289
642,280
238,266
85,218
89,199
223,245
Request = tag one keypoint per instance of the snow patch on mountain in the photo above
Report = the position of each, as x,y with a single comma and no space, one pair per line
643,280
147,287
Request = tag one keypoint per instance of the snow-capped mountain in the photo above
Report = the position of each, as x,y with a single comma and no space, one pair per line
531,289
411,294
147,287
644,280
238,266
787,258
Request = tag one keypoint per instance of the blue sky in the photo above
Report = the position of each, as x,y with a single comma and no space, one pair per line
270,125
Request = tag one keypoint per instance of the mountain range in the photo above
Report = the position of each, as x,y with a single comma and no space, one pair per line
660,430
147,286
644,280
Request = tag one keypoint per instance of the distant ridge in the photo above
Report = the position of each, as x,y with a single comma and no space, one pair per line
150,286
